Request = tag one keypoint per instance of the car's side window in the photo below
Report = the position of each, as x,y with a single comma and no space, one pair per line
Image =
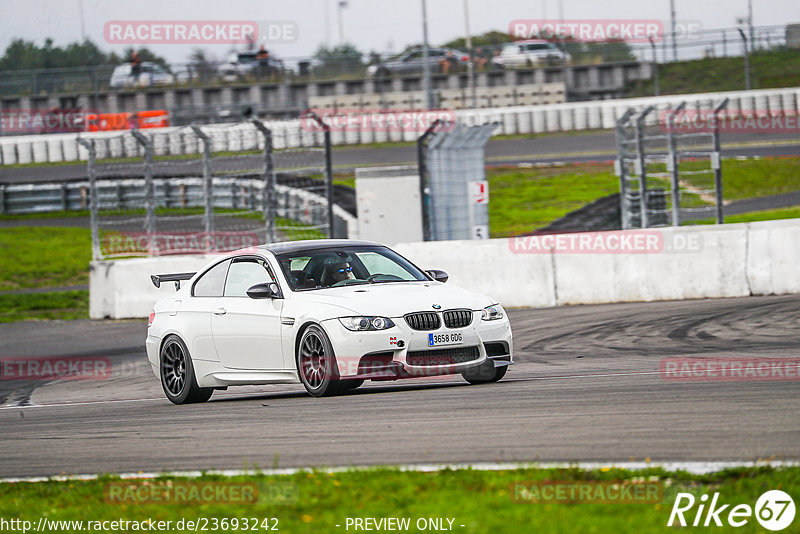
243,274
212,282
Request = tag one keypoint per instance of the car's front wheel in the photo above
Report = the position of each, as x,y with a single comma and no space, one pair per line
177,374
484,373
316,364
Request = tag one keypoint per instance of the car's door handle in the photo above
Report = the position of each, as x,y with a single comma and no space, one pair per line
220,311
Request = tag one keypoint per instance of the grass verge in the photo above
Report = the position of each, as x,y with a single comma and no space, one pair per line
524,200
44,306
44,256
755,216
481,501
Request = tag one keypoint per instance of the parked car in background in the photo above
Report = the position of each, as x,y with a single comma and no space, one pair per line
149,74
532,52
241,65
413,62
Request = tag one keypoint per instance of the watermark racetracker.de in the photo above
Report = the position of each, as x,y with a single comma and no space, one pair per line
652,241
45,120
729,369
730,121
195,493
142,243
603,30
586,491
376,119
160,32
55,368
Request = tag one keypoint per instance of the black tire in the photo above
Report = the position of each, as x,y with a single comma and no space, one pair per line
177,374
316,364
485,373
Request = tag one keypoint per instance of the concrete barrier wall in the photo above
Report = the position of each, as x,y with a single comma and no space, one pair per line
732,260
290,133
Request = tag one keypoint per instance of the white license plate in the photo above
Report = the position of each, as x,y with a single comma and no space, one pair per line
437,340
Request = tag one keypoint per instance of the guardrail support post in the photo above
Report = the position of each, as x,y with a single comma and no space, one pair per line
268,198
208,185
328,168
149,194
716,162
2,198
623,168
642,165
673,164
93,200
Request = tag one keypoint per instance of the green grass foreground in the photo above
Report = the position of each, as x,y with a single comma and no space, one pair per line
64,305
482,501
44,256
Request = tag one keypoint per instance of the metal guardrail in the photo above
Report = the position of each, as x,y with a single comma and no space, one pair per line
177,193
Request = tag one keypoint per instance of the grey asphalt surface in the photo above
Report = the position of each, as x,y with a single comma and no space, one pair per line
595,146
587,387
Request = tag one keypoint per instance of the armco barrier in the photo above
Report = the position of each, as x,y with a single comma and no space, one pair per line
514,120
723,261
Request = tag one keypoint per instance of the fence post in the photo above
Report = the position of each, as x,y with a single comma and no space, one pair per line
208,184
2,198
149,196
422,169
268,198
93,200
328,167
716,162
623,167
673,163
642,165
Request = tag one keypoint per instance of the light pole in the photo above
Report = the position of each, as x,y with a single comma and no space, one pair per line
746,60
750,24
672,31
426,67
655,64
341,5
470,64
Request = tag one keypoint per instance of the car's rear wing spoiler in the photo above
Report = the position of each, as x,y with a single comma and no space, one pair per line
172,277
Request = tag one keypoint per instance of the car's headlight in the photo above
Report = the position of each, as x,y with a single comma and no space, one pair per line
492,313
366,323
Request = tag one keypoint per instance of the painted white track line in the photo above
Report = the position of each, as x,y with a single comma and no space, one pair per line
697,468
246,396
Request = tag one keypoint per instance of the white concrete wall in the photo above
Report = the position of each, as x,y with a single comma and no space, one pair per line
732,260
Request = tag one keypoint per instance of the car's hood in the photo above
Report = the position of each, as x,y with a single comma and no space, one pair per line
395,299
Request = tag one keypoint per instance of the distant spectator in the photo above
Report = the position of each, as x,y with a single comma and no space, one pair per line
447,62
136,65
479,59
497,61
263,61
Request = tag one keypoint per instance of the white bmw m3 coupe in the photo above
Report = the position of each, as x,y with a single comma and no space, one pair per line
328,313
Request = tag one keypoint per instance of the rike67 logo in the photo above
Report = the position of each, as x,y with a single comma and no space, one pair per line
774,510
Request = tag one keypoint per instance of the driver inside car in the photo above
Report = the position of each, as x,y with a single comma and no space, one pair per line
338,272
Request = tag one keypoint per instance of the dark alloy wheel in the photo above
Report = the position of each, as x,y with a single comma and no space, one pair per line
177,374
316,364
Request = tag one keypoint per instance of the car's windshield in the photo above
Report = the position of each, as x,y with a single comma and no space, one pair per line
336,267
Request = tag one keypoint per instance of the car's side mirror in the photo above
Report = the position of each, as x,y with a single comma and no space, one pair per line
268,290
439,276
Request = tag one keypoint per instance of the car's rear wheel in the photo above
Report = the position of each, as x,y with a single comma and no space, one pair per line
316,364
485,373
177,374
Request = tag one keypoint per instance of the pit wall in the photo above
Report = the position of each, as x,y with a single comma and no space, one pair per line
732,260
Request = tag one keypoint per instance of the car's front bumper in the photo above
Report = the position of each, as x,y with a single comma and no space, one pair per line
401,352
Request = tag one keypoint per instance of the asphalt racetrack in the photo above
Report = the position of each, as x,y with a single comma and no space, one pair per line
586,387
